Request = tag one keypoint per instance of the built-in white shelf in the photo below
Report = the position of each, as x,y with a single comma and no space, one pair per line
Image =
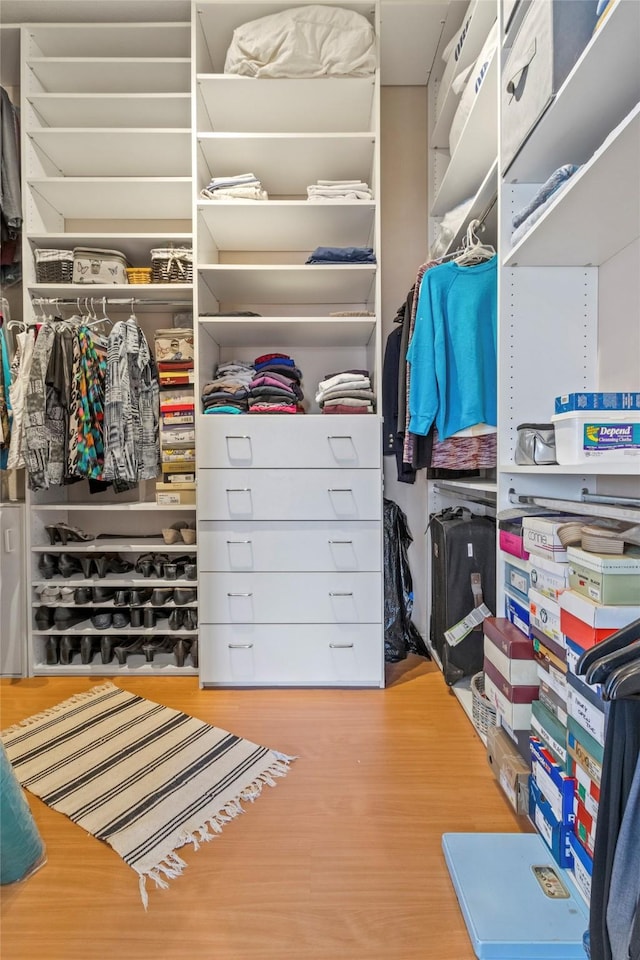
135,246
294,331
116,198
64,507
84,628
133,581
155,669
475,151
595,469
235,104
286,224
111,605
596,215
112,110
112,74
124,292
480,17
123,545
110,39
286,164
297,284
586,109
113,152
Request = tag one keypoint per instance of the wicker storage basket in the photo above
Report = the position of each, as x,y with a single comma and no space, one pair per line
54,266
483,712
139,274
172,265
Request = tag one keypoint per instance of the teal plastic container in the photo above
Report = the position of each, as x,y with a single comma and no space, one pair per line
21,848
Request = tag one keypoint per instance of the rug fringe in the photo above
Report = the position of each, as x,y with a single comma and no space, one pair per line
59,708
172,866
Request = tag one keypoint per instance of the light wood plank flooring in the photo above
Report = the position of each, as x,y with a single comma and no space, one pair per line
341,861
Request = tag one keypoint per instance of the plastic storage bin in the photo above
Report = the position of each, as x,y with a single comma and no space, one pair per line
597,435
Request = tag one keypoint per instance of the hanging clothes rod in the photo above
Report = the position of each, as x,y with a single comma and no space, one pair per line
617,508
108,301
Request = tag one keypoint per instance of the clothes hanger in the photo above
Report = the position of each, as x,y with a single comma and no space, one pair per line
624,683
473,250
617,641
602,669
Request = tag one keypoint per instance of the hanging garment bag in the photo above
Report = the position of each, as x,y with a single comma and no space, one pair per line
463,575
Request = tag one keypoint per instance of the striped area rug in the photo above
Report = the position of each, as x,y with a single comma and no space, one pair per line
142,777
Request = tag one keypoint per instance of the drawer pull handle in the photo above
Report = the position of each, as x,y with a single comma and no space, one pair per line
339,489
237,436
239,594
341,646
238,489
340,436
239,541
339,594
341,541
240,646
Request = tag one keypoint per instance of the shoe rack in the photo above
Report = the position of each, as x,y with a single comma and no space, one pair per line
106,128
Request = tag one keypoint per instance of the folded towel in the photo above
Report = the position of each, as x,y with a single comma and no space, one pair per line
533,218
548,188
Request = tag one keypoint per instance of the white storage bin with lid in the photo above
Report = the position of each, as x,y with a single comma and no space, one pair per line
597,435
551,37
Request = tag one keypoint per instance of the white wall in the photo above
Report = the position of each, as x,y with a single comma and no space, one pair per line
403,164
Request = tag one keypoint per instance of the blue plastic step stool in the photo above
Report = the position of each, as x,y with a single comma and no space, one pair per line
508,914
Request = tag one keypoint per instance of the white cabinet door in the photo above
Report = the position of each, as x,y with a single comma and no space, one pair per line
289,495
289,545
291,654
289,442
290,598
12,601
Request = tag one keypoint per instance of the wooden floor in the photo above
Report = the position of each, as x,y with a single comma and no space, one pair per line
341,861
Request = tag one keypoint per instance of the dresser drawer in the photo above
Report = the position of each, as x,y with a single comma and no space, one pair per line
289,495
289,545
291,655
290,597
289,442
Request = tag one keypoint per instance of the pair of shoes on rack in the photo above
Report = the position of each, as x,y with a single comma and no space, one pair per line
105,619
51,592
161,566
146,617
59,618
104,564
179,647
161,596
63,532
62,649
183,619
181,530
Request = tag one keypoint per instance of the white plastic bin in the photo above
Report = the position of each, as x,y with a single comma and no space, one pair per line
595,435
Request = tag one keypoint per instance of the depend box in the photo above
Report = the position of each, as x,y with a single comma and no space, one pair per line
597,436
569,402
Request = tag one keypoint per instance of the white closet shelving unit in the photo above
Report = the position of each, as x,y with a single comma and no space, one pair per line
289,508
106,126
570,290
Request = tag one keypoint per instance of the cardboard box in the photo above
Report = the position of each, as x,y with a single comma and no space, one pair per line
604,578
175,494
585,707
515,693
587,790
550,731
516,715
549,577
553,702
544,615
510,770
555,835
517,612
540,535
582,870
547,651
556,679
587,622
516,577
574,652
569,402
509,650
556,786
585,749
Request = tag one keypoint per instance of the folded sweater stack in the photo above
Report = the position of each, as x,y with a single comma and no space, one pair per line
347,392
228,392
241,186
328,190
342,255
275,386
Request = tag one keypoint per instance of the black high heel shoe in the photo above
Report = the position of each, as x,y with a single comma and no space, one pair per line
180,651
194,652
123,650
107,644
111,564
68,564
87,649
158,645
68,646
64,532
51,651
48,565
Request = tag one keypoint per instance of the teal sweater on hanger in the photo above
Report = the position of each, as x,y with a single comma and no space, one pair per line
452,351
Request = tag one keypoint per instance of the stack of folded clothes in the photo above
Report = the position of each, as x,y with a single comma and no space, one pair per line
342,255
346,392
241,186
275,387
525,218
325,190
228,392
